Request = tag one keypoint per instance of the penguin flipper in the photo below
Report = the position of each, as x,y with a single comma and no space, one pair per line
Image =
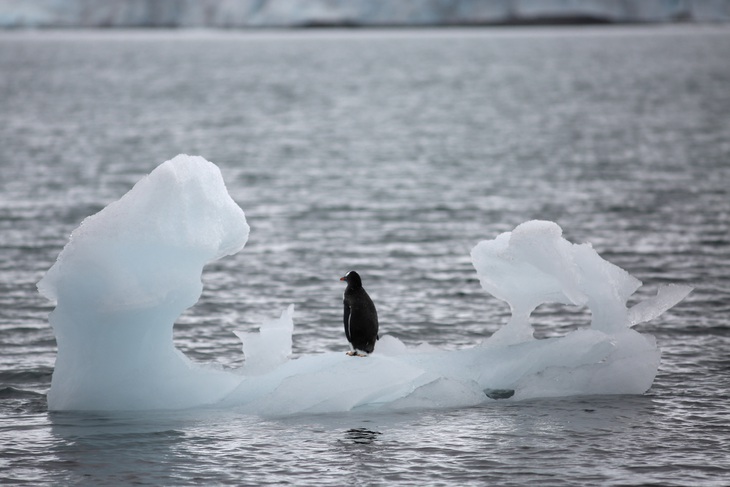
346,320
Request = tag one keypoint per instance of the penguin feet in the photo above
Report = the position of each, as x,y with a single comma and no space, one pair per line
356,353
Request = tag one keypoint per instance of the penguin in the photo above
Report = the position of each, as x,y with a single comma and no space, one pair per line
361,318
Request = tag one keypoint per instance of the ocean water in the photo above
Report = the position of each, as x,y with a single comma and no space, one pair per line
392,153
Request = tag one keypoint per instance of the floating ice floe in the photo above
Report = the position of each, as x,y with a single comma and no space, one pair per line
130,270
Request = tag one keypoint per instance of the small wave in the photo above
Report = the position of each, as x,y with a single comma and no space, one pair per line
21,401
39,374
15,393
697,330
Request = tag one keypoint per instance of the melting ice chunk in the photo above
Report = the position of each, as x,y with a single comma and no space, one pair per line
667,296
124,277
534,264
271,345
130,270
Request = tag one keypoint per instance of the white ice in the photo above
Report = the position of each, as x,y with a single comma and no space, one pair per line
129,271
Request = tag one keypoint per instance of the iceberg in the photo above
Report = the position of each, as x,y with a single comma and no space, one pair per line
129,271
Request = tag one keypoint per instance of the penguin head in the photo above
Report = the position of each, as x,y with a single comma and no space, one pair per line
352,278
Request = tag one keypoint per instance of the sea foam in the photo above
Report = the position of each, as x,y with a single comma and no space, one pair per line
130,270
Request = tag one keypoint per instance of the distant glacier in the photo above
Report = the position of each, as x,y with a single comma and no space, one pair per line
349,13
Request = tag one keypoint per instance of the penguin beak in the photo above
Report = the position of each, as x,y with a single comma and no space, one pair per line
343,279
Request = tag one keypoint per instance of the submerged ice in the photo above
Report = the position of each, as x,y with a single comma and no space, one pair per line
130,270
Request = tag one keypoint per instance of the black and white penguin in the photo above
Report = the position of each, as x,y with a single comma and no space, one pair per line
361,318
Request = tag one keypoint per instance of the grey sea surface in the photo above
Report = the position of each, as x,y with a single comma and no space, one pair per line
393,153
